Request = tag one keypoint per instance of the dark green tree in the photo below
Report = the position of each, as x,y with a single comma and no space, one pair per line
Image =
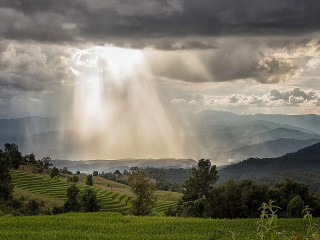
6,186
72,204
46,162
295,207
143,188
31,158
89,201
201,180
12,154
54,172
89,180
75,179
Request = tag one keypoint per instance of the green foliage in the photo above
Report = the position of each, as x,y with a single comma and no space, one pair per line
72,204
89,180
6,186
311,227
143,188
45,162
268,224
12,154
197,190
56,190
114,226
295,207
89,201
54,172
31,158
75,179
201,180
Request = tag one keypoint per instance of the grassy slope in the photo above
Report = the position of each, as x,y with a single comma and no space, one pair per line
113,196
115,226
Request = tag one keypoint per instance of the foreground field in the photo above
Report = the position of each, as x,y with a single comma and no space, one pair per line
116,226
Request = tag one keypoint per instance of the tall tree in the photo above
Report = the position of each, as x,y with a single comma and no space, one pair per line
72,204
89,180
54,172
143,188
6,186
12,154
89,200
201,180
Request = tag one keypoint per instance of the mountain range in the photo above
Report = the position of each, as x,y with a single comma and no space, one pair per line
302,165
223,137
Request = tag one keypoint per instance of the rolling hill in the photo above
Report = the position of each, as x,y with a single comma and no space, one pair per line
303,165
212,134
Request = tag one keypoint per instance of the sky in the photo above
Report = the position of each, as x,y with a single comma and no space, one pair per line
243,56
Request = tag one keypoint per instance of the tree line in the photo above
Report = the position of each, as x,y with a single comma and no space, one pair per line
202,198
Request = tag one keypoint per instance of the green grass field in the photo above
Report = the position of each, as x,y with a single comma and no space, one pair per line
115,226
54,191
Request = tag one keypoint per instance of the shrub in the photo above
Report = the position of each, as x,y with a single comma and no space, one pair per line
295,207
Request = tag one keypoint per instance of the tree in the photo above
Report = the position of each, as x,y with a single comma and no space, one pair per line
89,180
75,179
295,207
46,162
6,186
12,154
31,158
201,180
89,201
95,173
72,204
143,188
54,172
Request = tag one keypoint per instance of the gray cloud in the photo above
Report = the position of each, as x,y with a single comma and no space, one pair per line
232,59
124,20
32,67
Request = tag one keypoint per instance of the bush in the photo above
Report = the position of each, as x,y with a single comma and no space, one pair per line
89,201
57,210
295,207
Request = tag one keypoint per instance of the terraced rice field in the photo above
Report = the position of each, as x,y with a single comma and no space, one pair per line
110,201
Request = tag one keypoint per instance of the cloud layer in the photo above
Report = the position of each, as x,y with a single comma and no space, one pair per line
114,21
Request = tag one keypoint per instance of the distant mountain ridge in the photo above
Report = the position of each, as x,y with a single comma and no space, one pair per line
303,165
89,166
221,136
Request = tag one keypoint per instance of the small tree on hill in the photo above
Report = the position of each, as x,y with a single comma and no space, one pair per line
75,179
89,180
12,154
143,188
72,204
6,186
89,201
54,172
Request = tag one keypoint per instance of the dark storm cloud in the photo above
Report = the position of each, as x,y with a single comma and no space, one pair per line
114,21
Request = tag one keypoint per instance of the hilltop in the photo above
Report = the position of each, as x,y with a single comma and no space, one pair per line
303,165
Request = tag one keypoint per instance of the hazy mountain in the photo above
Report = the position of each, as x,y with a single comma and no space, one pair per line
214,134
303,165
274,148
123,164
